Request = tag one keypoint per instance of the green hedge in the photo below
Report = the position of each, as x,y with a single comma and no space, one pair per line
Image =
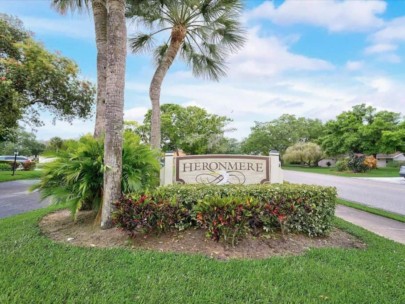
5,167
229,212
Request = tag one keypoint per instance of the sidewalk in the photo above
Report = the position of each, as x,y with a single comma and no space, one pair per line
382,226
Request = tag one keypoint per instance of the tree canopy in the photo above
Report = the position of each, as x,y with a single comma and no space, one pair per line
303,153
281,133
33,79
25,142
191,129
363,130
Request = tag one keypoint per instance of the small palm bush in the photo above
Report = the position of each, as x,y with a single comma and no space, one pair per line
77,178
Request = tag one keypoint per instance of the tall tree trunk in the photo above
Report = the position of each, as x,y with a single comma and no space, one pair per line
178,35
100,25
114,114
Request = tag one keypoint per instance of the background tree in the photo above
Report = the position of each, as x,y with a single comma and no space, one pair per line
281,133
115,87
360,131
372,133
225,145
303,153
204,32
33,79
191,129
392,141
25,142
55,144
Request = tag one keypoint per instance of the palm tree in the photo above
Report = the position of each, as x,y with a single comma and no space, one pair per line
114,111
100,24
204,32
111,39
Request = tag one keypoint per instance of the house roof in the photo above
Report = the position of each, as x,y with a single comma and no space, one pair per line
389,156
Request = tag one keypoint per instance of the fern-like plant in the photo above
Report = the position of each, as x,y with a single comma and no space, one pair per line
77,178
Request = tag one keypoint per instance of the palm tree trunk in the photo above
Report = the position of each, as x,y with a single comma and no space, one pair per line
100,25
178,35
114,113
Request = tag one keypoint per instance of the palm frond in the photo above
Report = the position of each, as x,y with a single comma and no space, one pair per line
159,52
212,9
206,67
212,27
141,42
63,6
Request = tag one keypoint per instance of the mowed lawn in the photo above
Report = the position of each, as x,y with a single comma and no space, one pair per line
380,172
6,176
34,269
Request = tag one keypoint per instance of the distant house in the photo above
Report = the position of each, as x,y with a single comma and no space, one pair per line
324,162
384,159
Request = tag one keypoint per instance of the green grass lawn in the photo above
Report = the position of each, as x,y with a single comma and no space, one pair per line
34,269
387,214
6,176
380,172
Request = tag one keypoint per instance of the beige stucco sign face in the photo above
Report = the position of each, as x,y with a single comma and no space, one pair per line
222,169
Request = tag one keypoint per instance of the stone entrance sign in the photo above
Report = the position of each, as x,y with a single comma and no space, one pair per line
221,169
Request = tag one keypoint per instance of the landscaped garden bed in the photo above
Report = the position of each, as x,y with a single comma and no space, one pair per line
60,227
230,212
223,222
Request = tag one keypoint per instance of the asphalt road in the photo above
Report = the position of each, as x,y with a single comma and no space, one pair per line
15,198
374,193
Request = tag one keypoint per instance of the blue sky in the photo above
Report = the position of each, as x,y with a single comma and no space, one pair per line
313,58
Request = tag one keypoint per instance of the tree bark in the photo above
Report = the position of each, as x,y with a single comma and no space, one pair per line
100,26
178,35
114,113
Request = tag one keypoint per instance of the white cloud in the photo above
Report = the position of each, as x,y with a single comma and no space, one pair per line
386,40
380,48
336,16
354,65
384,93
381,85
136,113
267,56
64,129
390,58
393,31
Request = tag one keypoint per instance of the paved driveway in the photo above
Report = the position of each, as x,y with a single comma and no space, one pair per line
374,193
15,198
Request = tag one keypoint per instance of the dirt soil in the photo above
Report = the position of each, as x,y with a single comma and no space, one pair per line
60,227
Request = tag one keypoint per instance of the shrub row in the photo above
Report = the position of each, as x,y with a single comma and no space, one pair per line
5,167
357,163
229,212
8,165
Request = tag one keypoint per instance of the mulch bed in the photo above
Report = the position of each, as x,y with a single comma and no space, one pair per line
60,227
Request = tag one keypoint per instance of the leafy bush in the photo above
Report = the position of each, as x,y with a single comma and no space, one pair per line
370,161
77,178
149,215
28,165
342,165
357,164
304,153
229,212
5,167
